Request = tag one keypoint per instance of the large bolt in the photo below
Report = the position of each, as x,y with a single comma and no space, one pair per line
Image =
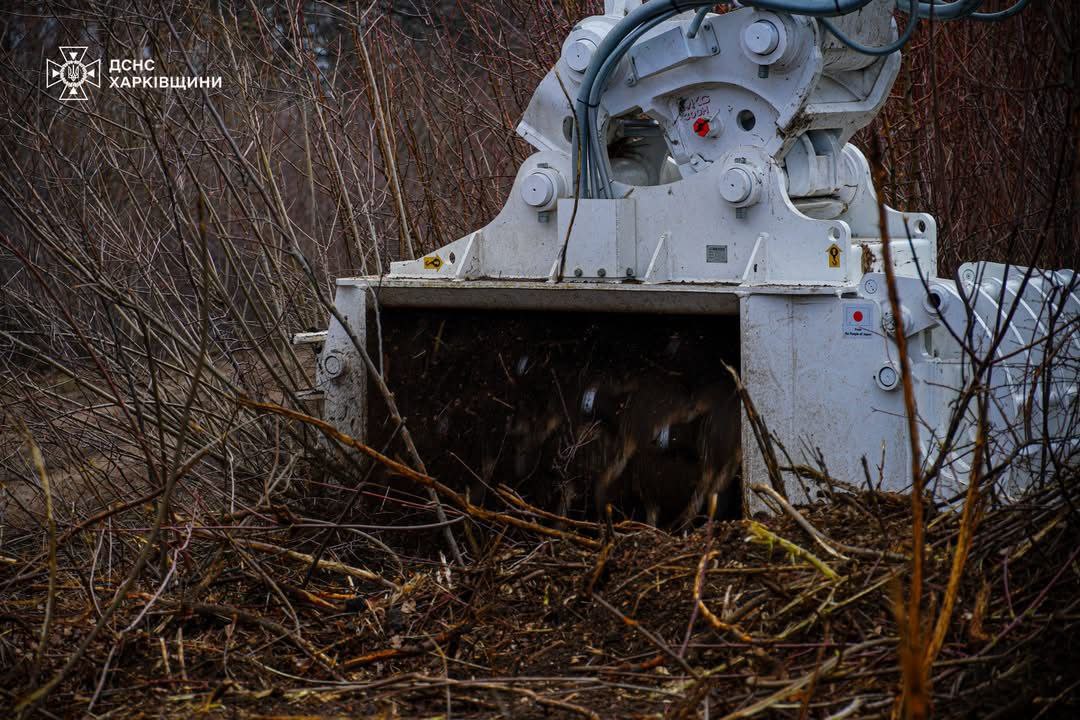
537,189
542,188
761,37
736,185
579,53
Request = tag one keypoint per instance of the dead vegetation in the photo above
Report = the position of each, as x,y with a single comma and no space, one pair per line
176,541
738,619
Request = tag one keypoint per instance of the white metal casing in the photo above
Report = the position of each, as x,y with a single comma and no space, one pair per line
792,244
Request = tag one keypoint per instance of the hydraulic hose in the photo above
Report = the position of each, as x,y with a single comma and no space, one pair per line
1001,14
812,8
952,10
889,49
589,154
640,15
598,151
695,24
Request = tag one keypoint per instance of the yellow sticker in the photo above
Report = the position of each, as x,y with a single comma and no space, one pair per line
834,255
432,262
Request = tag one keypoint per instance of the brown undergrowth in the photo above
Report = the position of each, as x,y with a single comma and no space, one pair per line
537,625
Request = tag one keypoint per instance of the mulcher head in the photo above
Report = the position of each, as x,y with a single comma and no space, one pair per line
693,201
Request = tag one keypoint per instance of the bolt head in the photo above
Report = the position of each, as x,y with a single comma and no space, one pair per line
579,53
538,190
761,37
736,185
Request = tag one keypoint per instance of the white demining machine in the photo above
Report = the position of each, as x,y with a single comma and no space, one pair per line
693,201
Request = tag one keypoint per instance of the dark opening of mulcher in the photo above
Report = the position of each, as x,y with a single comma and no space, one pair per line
571,410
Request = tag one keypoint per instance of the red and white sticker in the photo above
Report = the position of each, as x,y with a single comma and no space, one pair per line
859,319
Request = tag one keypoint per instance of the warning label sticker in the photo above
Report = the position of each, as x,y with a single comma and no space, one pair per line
859,319
432,262
834,255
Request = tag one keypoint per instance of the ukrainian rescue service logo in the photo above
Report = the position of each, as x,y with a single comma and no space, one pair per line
72,73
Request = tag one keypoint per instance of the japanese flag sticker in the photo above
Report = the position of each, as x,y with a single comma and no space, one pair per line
859,319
